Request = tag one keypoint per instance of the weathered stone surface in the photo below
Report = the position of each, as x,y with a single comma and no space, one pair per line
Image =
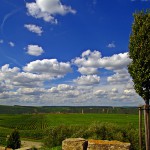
3,148
74,144
107,145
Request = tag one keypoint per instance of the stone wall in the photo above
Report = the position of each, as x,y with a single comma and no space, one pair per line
74,144
82,144
107,145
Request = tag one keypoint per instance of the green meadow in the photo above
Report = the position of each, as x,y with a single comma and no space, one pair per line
49,128
44,121
33,126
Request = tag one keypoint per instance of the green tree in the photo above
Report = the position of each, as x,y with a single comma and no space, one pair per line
13,140
139,52
139,68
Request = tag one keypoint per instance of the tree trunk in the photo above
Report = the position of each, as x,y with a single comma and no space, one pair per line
140,128
147,126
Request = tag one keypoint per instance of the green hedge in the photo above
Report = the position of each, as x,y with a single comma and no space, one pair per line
102,131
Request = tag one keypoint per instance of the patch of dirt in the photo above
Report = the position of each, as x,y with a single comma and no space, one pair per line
2,148
25,145
30,144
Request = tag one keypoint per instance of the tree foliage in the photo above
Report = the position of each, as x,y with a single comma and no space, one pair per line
139,52
13,140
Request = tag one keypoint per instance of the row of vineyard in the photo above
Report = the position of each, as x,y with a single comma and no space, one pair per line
24,122
29,126
39,126
45,121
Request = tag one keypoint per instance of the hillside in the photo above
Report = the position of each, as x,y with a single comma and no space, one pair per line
66,109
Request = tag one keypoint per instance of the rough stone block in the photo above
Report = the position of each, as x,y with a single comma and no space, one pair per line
74,144
107,145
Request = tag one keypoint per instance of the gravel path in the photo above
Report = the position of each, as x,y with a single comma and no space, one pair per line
31,144
26,145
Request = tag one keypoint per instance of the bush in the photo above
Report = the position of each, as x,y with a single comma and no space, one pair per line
13,140
102,131
57,134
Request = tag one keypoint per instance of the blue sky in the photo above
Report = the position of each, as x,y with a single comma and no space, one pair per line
67,52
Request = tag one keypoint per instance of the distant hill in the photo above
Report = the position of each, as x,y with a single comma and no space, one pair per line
66,109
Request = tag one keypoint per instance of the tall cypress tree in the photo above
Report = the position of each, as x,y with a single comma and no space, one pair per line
139,68
139,52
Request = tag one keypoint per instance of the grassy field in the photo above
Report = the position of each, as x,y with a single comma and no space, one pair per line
36,126
44,121
31,126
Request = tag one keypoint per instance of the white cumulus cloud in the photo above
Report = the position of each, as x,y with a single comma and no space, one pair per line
50,67
88,70
47,9
88,80
120,77
7,75
94,60
61,88
100,93
34,28
35,11
6,72
115,62
34,50
32,83
54,7
64,87
31,91
114,90
65,90
25,79
129,92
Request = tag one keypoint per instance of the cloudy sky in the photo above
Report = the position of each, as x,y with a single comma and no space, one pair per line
67,52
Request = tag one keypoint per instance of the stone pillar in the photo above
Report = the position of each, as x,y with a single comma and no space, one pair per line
74,144
107,145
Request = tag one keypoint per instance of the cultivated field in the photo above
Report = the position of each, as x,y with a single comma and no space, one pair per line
35,126
44,121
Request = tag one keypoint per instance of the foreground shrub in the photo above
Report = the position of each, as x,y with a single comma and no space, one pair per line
13,140
56,135
102,131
